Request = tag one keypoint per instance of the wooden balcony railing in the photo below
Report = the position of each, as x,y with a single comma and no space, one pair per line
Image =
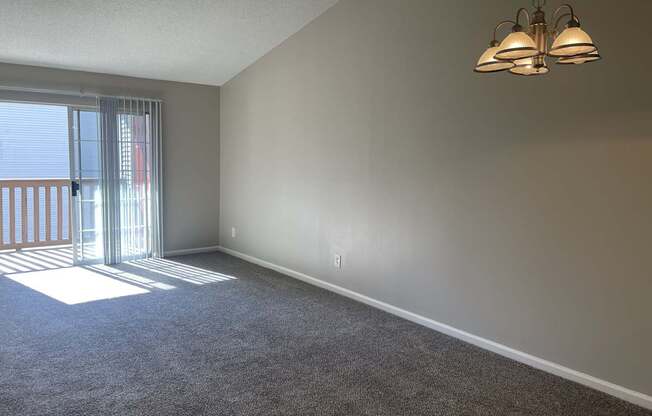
34,213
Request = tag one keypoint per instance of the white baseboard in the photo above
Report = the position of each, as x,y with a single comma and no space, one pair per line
623,393
186,251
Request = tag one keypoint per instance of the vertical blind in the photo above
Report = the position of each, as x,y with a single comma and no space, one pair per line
131,185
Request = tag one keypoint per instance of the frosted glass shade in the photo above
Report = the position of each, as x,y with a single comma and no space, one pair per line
572,41
580,59
526,67
487,62
517,45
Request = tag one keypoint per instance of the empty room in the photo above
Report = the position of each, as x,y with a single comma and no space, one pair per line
325,207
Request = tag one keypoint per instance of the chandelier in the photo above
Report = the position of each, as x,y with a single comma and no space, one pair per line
524,51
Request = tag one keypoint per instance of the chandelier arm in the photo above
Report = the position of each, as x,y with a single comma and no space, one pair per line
501,24
556,26
518,15
569,7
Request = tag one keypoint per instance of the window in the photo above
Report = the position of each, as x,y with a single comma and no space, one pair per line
33,141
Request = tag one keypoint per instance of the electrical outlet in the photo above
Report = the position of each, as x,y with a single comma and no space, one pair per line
234,232
337,261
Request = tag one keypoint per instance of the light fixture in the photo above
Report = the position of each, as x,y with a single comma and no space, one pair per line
572,41
524,51
488,62
580,59
517,45
530,66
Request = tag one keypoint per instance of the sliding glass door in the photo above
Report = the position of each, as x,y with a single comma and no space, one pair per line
115,153
86,174
134,169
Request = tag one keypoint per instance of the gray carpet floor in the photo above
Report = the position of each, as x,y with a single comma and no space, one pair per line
261,344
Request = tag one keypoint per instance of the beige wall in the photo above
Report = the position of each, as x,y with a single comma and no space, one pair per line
190,143
515,209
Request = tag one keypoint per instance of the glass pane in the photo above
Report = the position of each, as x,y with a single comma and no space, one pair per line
41,210
53,213
88,203
133,153
33,141
132,128
88,125
65,209
4,238
18,224
90,156
30,215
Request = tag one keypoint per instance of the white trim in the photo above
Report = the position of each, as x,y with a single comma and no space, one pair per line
185,251
632,396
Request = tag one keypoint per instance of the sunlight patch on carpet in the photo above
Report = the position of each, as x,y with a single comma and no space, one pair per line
74,285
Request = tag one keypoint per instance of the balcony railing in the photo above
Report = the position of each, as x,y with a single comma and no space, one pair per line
34,213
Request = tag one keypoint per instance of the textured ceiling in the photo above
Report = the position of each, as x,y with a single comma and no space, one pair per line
200,41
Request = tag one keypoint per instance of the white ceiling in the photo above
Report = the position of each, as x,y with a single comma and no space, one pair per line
200,41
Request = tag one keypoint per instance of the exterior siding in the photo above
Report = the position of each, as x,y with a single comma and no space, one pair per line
33,141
